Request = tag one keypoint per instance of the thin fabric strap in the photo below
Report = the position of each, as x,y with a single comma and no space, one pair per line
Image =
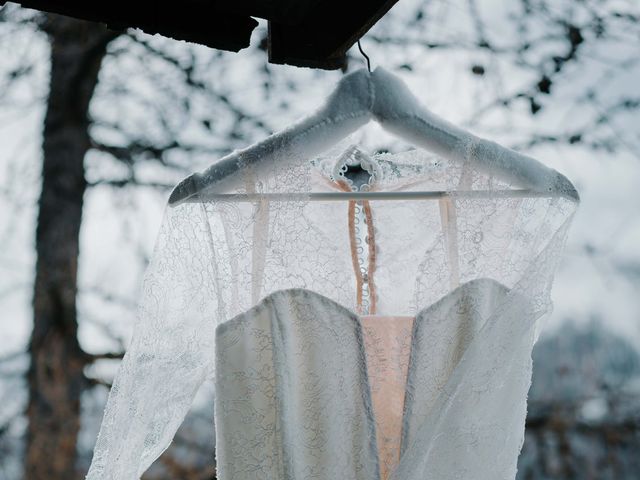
449,222
372,256
371,244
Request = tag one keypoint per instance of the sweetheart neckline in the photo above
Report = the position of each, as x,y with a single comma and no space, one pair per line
268,299
422,313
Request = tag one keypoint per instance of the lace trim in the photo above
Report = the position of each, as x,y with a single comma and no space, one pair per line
360,211
353,156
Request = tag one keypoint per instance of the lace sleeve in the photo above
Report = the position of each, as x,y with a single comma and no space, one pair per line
170,355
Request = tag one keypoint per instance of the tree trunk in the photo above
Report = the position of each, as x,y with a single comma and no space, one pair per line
56,378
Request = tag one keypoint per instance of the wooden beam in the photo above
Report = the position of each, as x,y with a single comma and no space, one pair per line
191,20
322,39
309,33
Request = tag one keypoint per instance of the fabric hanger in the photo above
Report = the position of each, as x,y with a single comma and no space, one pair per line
358,98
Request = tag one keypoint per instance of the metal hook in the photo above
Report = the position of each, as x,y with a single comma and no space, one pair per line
365,56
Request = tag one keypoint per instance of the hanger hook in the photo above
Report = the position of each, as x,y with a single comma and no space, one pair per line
365,56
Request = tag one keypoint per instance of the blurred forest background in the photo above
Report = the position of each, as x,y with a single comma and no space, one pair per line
96,127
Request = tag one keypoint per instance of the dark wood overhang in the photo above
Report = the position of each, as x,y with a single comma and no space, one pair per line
307,33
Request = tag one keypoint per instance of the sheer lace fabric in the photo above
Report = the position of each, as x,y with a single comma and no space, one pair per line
264,298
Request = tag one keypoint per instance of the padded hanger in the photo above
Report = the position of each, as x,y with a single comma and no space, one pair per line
357,99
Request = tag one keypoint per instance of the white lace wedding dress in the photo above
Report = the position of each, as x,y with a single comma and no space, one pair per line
370,339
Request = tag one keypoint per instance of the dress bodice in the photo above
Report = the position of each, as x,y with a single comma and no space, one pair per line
298,377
